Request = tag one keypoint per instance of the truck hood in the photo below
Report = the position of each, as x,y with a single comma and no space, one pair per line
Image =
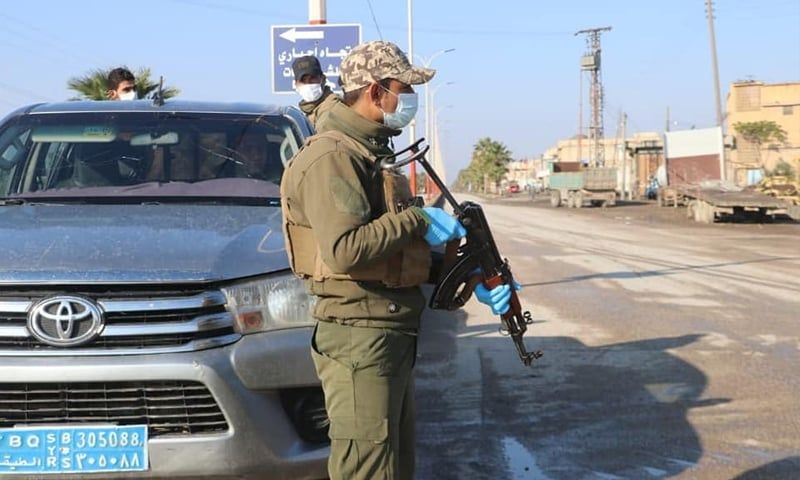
81,244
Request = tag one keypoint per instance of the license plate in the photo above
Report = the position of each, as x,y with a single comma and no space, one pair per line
73,449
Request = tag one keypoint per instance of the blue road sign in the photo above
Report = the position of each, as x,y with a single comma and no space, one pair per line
329,43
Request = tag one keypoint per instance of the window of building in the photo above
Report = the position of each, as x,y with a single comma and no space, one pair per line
788,109
748,98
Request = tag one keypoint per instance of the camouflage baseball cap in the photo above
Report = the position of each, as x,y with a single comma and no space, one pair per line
374,61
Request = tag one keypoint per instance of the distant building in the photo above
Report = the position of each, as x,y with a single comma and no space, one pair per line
524,172
753,101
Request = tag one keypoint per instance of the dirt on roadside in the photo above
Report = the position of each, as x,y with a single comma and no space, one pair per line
646,212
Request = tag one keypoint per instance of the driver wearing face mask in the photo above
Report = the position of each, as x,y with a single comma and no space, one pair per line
121,85
317,98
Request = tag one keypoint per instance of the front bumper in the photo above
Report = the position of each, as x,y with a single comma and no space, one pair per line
245,378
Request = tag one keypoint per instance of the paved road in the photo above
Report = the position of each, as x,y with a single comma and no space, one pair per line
672,350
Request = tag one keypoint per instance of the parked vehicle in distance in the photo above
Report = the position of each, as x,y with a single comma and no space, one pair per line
572,185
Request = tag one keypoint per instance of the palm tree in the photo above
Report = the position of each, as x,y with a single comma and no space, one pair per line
490,159
94,85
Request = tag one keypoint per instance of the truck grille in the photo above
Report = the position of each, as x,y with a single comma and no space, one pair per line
166,407
133,324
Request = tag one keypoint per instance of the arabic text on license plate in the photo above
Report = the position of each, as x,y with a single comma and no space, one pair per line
73,449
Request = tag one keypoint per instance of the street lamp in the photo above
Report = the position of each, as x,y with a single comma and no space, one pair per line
430,115
436,151
436,115
426,62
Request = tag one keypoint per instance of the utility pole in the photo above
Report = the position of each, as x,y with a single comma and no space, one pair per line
625,188
317,12
429,112
714,66
580,115
667,126
590,62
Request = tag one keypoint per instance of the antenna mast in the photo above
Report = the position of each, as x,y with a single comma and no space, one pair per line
590,62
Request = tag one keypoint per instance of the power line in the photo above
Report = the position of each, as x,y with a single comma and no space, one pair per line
10,104
37,55
471,32
50,44
24,92
378,28
236,10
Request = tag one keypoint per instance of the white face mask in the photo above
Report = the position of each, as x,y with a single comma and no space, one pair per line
309,92
128,95
407,105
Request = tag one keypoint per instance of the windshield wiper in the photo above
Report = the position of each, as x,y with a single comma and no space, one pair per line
11,201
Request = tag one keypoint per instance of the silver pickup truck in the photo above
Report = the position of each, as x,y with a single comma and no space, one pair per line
149,324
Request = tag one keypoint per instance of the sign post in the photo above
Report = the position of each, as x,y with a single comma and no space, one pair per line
329,43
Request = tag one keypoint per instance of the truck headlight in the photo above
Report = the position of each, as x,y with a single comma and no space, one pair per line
269,303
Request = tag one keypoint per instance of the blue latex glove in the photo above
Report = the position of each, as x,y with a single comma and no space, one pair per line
499,298
442,227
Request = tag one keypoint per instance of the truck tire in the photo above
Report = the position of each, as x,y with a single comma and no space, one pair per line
555,198
690,210
703,212
709,214
570,200
577,200
698,211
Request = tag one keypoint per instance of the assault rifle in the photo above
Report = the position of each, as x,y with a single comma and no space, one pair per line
466,264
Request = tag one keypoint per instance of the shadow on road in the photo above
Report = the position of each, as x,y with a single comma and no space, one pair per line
786,469
607,411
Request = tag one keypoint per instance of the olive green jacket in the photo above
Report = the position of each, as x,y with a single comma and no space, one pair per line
337,191
317,110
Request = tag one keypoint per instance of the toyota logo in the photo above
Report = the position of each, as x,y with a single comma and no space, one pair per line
65,321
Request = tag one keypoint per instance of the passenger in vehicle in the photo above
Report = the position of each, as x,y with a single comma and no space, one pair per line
254,152
121,85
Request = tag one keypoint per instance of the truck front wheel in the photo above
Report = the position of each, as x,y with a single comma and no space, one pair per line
555,198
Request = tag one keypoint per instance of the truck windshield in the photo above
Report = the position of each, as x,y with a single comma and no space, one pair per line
115,156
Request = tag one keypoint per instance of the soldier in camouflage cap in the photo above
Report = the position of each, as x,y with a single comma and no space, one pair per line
364,250
374,61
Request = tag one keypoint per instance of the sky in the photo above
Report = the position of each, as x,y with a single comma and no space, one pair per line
513,75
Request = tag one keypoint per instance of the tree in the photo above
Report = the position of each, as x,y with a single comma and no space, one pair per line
784,169
94,85
761,132
489,163
490,159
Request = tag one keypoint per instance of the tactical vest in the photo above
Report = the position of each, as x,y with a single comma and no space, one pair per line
408,267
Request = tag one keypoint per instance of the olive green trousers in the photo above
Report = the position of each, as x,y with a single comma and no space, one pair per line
367,377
